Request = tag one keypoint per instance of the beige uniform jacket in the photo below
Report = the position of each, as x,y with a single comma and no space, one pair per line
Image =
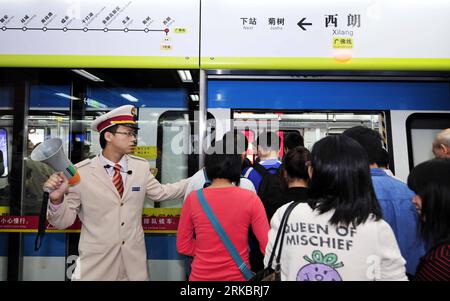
112,245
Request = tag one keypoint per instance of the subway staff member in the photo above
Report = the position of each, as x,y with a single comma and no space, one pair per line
109,200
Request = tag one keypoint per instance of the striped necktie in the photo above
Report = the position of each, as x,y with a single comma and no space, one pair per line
117,179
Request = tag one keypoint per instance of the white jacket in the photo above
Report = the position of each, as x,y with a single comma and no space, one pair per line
315,250
112,245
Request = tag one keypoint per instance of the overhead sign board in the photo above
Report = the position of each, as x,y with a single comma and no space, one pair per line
101,33
231,34
325,34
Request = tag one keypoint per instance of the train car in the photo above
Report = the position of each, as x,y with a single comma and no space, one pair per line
53,110
407,109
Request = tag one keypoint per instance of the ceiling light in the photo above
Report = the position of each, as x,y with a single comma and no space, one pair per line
188,75
129,97
185,76
94,103
67,96
245,115
87,75
194,97
58,113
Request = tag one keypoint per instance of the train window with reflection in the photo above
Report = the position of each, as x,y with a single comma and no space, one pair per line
421,129
4,163
3,153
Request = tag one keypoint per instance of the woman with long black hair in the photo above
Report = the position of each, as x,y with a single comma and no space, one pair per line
430,181
338,234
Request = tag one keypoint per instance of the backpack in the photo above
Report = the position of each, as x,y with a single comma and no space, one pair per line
269,190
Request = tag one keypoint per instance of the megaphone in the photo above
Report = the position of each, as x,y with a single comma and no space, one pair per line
51,153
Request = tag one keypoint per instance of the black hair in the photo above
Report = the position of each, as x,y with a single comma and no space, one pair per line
268,141
292,140
430,180
369,139
383,160
294,163
222,164
341,181
235,142
111,129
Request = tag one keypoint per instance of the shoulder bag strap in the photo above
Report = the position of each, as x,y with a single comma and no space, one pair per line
261,170
223,236
281,233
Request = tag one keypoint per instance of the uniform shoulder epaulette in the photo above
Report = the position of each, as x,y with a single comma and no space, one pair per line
83,163
137,158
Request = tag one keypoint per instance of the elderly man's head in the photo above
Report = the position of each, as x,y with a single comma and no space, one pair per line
441,144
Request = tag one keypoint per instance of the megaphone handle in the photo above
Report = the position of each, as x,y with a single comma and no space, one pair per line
42,218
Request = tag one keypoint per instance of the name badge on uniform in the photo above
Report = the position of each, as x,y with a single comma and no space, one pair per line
136,188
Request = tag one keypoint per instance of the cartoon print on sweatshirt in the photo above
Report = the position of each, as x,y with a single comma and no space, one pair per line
320,268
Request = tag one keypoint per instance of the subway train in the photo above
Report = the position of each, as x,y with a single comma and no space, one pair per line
408,109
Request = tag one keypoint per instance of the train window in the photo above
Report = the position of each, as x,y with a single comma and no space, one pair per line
312,125
173,148
421,128
3,154
6,149
6,93
48,117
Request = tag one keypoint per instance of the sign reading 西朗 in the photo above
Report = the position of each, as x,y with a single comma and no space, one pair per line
325,34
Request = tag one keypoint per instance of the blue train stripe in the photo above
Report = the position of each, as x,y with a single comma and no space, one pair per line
4,244
162,247
328,95
53,245
159,247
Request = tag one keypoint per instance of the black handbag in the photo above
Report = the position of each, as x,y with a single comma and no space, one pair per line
268,273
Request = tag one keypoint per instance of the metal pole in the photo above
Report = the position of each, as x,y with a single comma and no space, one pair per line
202,117
21,97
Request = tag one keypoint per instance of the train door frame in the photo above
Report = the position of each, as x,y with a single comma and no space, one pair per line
384,123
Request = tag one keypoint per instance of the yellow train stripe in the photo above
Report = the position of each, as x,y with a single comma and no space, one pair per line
92,61
317,63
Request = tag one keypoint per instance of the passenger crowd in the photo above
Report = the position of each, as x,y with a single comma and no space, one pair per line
341,213
354,219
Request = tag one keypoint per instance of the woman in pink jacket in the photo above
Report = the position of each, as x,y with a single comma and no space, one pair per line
235,208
